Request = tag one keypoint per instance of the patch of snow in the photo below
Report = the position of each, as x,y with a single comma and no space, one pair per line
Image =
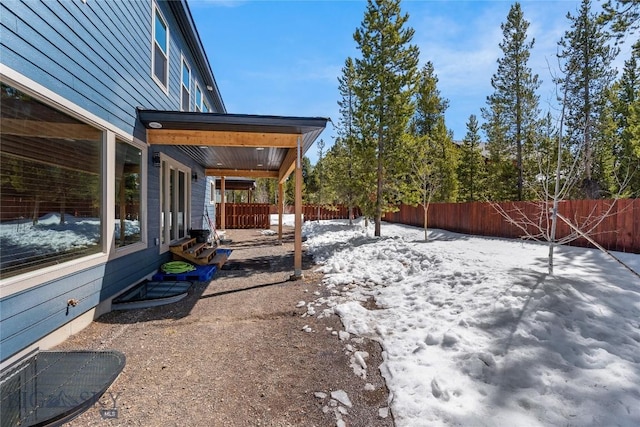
474,331
383,412
342,397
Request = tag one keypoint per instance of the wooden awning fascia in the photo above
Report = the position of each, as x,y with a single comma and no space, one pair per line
220,138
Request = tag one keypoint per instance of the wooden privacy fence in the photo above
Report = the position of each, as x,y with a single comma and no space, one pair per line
256,215
244,215
310,212
619,231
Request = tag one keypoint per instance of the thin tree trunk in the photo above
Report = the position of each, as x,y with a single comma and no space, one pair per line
379,189
556,192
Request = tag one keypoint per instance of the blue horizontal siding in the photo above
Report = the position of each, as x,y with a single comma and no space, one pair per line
96,55
33,314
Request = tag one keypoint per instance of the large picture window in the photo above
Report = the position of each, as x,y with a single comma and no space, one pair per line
160,50
51,181
128,194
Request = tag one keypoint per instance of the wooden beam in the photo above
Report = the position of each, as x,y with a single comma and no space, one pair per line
223,206
54,130
280,209
220,138
297,240
245,173
287,165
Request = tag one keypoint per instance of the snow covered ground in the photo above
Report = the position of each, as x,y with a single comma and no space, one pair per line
475,333
287,219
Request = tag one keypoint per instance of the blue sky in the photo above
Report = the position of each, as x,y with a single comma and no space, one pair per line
284,57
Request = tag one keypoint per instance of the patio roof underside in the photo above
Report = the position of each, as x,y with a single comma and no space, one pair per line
235,145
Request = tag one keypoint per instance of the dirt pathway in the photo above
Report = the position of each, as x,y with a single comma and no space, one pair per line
234,353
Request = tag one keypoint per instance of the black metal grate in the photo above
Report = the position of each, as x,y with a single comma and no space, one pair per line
52,387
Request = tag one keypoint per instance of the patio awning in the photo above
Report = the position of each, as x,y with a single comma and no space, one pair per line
235,145
237,183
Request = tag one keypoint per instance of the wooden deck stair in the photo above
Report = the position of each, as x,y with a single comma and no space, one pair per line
189,249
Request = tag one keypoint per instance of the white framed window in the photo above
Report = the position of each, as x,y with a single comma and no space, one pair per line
160,49
198,98
60,173
175,203
52,185
185,93
205,107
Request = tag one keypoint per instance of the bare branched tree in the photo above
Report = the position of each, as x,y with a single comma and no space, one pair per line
539,221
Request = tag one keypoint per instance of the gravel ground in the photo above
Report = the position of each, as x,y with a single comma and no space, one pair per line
234,353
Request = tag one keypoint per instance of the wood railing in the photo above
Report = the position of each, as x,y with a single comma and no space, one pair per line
619,230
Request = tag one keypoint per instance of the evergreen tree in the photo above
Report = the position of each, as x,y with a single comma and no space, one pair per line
625,109
307,181
624,16
386,75
430,106
266,190
428,126
471,169
514,100
344,177
501,169
587,58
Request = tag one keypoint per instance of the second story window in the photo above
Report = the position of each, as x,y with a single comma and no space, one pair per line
198,98
186,86
160,53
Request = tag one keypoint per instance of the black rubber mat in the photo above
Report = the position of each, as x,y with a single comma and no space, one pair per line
49,388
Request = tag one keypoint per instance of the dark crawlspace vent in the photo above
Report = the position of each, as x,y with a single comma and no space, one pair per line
49,388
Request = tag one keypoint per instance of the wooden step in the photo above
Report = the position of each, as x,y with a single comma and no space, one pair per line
219,259
182,244
207,254
195,248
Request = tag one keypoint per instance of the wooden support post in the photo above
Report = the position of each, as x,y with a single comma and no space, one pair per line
223,212
280,209
297,241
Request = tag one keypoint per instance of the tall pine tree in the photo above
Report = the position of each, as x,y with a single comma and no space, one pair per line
625,111
343,167
514,103
587,55
472,173
386,75
439,152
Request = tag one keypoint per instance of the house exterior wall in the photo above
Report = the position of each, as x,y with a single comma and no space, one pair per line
94,57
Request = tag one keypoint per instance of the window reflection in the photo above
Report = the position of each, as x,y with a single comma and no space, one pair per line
128,194
50,185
